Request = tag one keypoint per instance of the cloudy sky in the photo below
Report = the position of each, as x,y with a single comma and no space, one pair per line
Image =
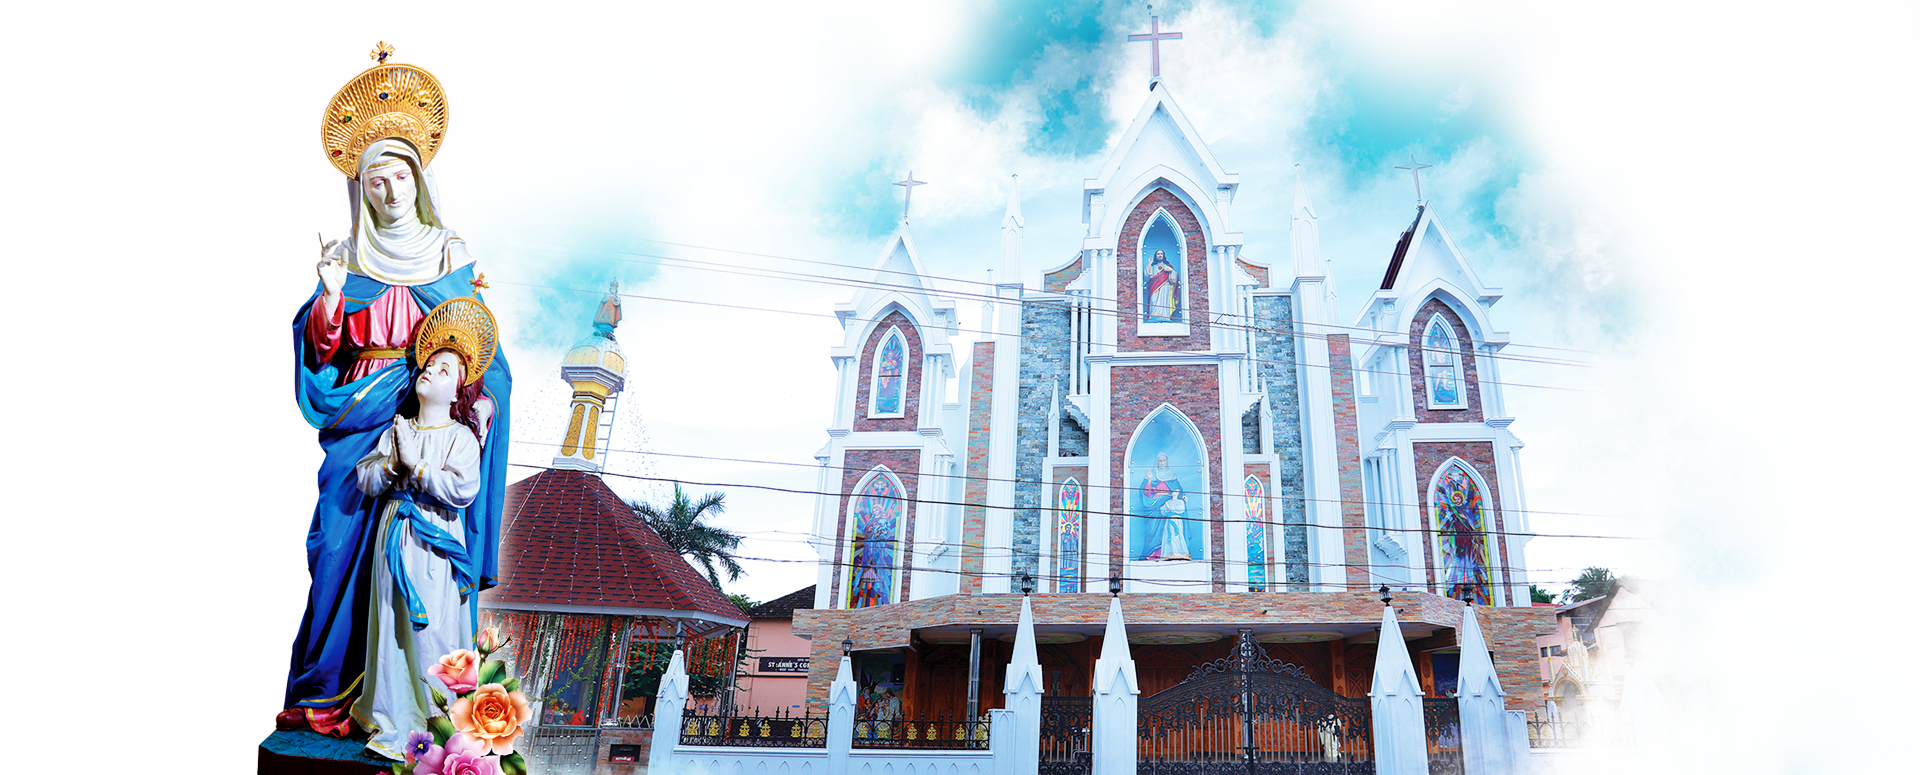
1701,209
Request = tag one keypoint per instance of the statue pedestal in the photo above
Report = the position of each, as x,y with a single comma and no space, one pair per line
306,752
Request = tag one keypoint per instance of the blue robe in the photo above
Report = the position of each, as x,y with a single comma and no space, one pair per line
329,653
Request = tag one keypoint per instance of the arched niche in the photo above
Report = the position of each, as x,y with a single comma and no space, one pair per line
1166,476
875,515
1457,500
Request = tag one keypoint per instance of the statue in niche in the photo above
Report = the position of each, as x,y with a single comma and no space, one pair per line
1167,507
1164,503
352,376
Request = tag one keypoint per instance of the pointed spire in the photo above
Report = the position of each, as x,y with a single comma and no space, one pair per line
673,682
843,688
1024,652
1305,228
1114,648
1011,228
1477,675
1392,667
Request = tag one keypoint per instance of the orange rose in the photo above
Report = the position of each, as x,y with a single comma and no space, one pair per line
492,716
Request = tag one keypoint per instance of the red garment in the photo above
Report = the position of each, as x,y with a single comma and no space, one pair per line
387,322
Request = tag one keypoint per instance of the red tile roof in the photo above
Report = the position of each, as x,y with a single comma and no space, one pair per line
571,544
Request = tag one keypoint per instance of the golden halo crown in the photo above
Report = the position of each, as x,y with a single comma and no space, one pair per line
463,325
385,101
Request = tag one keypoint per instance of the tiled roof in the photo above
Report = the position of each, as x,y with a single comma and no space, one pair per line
784,606
570,542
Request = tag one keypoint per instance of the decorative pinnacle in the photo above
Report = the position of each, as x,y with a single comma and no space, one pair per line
380,52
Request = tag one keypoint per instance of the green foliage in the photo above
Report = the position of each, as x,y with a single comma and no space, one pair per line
742,601
683,526
1539,595
442,729
1591,583
511,684
513,764
492,671
439,697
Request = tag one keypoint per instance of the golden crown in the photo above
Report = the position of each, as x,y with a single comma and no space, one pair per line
385,101
463,325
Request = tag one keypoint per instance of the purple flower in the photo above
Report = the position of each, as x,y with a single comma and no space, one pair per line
418,743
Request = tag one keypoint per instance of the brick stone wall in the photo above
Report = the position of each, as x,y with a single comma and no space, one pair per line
1510,631
1194,275
1273,349
1261,273
973,532
1045,357
1427,459
905,465
1346,446
869,354
1195,391
1469,369
1056,282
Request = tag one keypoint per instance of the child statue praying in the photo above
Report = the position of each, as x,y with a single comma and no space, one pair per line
424,471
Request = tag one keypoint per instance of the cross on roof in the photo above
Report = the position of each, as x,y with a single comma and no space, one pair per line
909,183
1154,37
1416,167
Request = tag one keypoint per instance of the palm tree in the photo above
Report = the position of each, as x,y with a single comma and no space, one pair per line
682,526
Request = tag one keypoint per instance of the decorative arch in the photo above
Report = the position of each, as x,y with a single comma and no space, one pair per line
1070,509
1445,364
1457,505
875,515
887,376
1256,511
1166,495
1162,264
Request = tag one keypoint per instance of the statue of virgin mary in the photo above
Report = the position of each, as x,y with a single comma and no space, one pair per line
352,374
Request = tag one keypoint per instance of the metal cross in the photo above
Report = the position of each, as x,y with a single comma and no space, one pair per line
909,183
1416,167
1154,37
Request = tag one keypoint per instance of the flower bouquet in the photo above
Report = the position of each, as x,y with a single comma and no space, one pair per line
482,721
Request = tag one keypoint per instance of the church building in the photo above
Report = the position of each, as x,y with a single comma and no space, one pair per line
1178,417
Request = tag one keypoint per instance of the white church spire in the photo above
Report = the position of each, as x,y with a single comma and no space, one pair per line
1306,229
1011,229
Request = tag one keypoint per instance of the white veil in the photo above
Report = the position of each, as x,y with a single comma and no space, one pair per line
414,251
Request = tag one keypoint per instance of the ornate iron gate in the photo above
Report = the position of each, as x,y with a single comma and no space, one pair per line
1066,735
1250,713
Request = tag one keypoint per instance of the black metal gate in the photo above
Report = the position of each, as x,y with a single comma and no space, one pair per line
1066,735
1250,713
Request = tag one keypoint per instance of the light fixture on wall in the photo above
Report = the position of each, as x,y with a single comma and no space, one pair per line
1113,584
846,646
1026,583
1386,594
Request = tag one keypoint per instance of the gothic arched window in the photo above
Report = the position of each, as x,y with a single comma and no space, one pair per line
1163,271
1072,532
1166,478
1457,503
873,551
1446,379
1256,534
889,388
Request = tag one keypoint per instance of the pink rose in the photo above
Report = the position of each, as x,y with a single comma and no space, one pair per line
468,764
489,640
492,716
460,671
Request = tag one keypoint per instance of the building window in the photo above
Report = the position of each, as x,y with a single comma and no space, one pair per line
1256,534
874,548
1457,503
1446,385
889,389
1166,491
1163,283
1072,531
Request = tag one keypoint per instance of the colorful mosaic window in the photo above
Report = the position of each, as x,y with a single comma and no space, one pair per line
1072,511
872,565
1256,534
889,376
1442,359
1460,520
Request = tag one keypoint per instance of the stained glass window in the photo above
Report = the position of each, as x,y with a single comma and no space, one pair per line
872,564
1072,535
889,376
1256,534
1460,520
1442,361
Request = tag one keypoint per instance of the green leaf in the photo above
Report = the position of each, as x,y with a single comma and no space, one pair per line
439,697
512,764
442,729
492,671
511,684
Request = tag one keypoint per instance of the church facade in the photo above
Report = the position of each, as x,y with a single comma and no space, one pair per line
1179,418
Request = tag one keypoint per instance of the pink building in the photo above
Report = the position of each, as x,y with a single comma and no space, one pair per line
774,674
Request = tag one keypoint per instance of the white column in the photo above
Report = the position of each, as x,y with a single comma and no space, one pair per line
1116,701
1399,722
669,704
1483,705
841,696
1000,740
1025,685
